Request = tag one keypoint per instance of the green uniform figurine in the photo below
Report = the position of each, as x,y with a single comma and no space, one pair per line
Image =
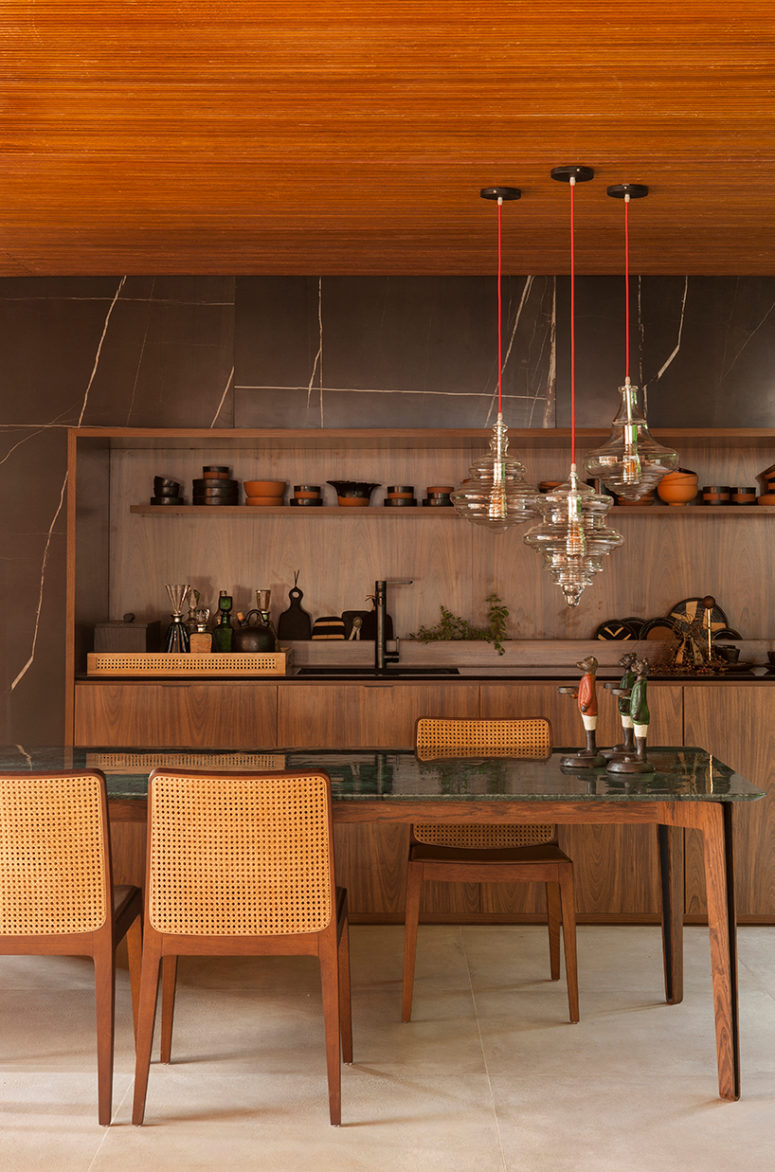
639,716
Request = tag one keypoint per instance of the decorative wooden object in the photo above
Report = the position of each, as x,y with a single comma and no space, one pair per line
586,695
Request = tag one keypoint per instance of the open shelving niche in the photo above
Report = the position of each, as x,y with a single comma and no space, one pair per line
456,565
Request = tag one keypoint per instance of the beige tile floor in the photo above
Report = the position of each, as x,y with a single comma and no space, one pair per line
488,1076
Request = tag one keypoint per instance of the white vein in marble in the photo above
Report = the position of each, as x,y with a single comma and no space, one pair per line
47,546
674,353
317,365
226,390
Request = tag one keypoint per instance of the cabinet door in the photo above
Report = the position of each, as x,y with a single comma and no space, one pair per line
233,715
372,716
616,867
738,724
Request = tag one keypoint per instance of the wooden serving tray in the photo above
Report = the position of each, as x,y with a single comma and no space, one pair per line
259,663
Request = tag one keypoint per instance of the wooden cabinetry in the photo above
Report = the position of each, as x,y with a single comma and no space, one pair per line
121,551
229,715
737,723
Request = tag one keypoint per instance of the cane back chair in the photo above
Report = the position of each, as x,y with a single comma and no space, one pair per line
57,896
490,852
242,864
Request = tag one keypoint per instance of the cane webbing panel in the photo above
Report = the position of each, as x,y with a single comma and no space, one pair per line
52,854
530,738
236,855
490,738
481,835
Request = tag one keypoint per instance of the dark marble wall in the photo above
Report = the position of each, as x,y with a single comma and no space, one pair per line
332,352
134,352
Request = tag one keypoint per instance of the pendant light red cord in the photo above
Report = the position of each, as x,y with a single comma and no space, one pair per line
627,288
572,185
500,311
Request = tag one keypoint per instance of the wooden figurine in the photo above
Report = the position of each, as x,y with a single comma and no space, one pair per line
639,714
586,697
622,691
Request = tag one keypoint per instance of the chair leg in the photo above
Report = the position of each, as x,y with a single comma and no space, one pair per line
149,988
134,946
345,997
329,980
554,917
568,898
105,986
414,881
169,976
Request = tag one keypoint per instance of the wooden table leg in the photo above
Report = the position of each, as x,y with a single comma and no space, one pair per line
671,868
714,819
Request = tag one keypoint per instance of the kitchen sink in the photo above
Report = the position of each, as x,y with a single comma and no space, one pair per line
324,670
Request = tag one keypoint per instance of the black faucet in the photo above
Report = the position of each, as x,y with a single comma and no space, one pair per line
382,657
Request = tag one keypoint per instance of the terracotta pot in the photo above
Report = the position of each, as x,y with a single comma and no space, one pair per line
265,487
677,488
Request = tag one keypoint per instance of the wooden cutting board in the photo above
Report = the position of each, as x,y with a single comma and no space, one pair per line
294,623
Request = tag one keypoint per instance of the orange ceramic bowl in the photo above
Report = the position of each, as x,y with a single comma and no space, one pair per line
678,488
265,487
266,501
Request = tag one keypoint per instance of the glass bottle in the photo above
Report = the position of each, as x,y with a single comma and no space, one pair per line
263,597
224,632
201,638
176,639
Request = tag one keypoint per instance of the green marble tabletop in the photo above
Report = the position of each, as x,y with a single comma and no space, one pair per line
680,774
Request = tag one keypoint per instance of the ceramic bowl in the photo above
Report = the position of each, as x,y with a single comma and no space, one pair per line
266,501
350,490
678,488
265,487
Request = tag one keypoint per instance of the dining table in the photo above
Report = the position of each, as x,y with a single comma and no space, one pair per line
684,788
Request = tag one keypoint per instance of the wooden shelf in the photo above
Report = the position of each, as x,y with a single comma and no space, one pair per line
420,511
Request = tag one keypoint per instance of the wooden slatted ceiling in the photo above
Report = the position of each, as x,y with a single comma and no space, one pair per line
175,136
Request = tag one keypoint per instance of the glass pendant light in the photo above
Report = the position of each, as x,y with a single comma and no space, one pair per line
573,535
631,462
495,494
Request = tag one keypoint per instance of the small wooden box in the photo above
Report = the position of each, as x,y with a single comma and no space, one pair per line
121,637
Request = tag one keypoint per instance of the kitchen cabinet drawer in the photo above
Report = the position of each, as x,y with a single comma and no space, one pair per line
229,715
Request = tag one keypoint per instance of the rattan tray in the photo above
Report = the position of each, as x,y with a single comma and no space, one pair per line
142,663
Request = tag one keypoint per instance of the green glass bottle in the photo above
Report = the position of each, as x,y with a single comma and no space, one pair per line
224,632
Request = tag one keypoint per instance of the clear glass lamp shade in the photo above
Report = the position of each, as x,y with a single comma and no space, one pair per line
573,536
631,462
495,495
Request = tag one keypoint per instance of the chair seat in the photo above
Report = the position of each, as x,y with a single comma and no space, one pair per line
123,895
543,852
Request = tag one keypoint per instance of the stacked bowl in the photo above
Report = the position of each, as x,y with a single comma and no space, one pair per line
265,493
215,487
306,494
439,495
678,488
399,496
166,491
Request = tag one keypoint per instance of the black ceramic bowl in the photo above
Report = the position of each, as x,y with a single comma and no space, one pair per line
353,488
163,486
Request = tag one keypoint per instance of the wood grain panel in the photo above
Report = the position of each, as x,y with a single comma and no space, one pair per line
152,138
207,715
738,724
377,716
371,863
